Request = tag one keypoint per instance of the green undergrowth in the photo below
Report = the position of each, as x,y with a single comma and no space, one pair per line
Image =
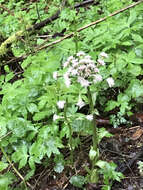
29,135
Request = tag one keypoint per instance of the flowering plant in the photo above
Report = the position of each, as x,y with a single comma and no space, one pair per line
82,70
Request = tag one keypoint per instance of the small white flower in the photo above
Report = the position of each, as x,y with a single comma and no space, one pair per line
61,104
103,54
85,61
68,82
89,117
66,64
80,103
101,62
81,67
55,75
70,58
74,62
80,53
97,78
74,72
110,81
55,117
83,82
96,70
66,76
69,70
87,57
92,66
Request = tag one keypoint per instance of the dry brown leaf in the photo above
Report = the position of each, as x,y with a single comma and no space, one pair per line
137,134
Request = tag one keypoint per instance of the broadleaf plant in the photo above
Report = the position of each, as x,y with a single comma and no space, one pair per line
45,108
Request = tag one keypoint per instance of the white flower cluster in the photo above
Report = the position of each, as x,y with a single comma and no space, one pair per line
83,68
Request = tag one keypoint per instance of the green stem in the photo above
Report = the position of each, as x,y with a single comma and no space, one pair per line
37,10
70,132
75,35
94,126
16,171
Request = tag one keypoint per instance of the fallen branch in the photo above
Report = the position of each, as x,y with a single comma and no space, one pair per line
14,37
71,34
89,25
56,15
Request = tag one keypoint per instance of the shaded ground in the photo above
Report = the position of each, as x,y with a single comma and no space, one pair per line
124,148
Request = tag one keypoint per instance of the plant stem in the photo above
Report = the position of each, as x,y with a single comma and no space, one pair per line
94,126
37,10
75,34
70,132
16,171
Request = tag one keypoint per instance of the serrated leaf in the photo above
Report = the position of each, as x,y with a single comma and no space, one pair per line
3,166
20,156
132,17
59,167
111,105
9,77
40,115
29,174
102,132
136,60
137,38
135,89
77,181
134,69
32,108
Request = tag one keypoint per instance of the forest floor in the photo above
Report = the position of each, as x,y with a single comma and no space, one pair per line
124,149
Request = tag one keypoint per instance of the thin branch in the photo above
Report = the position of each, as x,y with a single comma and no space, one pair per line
84,3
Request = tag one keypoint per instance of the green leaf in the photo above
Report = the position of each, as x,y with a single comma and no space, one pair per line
101,164
41,115
32,108
3,166
9,77
5,180
102,132
29,174
59,167
77,181
3,129
94,176
20,156
136,60
134,69
111,105
137,38
123,98
135,89
132,17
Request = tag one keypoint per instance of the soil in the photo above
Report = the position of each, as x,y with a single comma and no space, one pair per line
124,148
